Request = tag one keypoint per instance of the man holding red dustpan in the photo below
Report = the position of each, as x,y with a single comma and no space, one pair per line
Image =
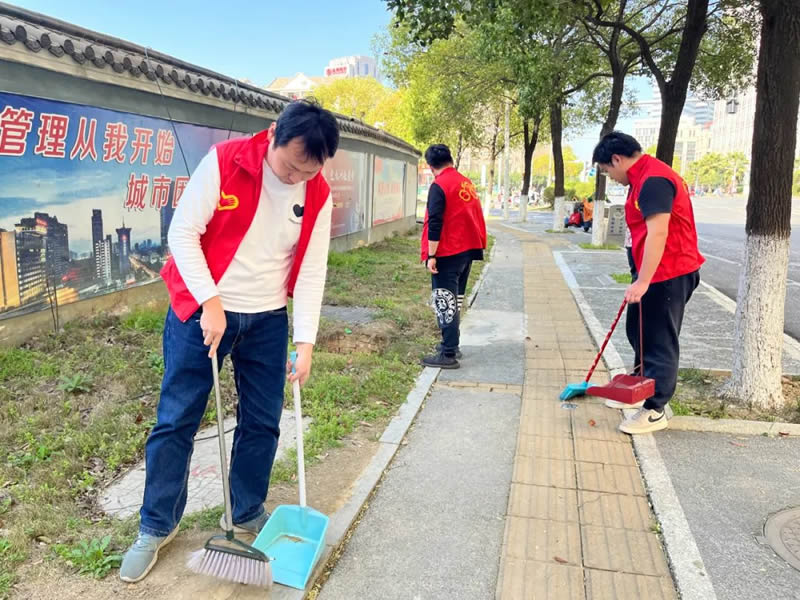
659,215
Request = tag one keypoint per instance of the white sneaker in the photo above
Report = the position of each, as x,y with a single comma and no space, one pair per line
623,405
644,421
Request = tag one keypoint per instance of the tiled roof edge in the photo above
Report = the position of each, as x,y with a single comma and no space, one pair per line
40,33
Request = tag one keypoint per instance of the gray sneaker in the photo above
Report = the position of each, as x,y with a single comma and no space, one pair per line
253,526
142,556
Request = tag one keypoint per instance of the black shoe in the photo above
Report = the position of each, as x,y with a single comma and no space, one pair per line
440,361
439,350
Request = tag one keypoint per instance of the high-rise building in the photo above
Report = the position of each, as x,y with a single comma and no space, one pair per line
9,281
692,142
165,214
97,227
124,241
701,111
352,66
103,260
31,265
56,240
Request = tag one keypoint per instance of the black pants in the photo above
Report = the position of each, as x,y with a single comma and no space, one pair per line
662,316
631,264
449,286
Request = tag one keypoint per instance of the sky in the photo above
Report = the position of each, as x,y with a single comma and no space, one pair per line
272,39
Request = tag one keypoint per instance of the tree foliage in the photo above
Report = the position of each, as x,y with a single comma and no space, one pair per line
356,97
717,170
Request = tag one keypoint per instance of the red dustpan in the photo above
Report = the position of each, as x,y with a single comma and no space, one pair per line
628,389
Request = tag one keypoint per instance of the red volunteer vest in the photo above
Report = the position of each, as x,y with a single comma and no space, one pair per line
463,228
681,255
241,164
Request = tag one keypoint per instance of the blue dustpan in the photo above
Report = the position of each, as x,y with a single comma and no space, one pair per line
293,539
294,536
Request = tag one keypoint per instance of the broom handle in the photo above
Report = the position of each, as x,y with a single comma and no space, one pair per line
298,417
223,453
605,342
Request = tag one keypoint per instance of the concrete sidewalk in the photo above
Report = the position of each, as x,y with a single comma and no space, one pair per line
501,491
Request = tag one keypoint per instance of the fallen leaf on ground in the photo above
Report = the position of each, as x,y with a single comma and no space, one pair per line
592,422
558,559
783,433
738,444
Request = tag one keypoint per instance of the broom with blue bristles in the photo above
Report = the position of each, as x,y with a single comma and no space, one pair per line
573,390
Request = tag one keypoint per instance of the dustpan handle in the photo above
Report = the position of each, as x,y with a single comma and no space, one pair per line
641,340
298,417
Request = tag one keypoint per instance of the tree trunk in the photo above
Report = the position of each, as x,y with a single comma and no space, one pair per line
531,139
492,158
558,165
673,92
459,150
672,102
506,166
758,328
599,214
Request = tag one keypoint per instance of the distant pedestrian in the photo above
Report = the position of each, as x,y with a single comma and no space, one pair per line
588,213
454,235
666,260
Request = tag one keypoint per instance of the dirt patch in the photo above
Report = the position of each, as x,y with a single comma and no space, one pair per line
371,337
697,394
330,483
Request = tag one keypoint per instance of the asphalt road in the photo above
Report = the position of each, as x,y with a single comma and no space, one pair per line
720,227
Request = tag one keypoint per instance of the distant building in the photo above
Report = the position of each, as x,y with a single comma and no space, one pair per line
56,237
124,241
165,216
31,265
299,86
352,66
97,227
302,85
103,260
9,281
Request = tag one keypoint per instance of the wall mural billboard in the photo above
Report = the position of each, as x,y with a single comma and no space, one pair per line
86,198
387,190
346,173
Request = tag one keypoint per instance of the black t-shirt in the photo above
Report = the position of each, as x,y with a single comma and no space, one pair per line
656,196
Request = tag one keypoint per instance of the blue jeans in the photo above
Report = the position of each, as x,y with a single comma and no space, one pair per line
257,345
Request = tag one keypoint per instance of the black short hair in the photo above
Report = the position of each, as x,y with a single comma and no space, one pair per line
615,142
317,127
438,156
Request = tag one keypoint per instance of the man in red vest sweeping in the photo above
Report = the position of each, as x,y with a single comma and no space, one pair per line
454,234
251,229
660,218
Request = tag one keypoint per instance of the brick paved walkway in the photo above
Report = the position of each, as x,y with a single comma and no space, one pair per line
579,525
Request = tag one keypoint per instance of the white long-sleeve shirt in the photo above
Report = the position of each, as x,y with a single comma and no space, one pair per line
257,278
